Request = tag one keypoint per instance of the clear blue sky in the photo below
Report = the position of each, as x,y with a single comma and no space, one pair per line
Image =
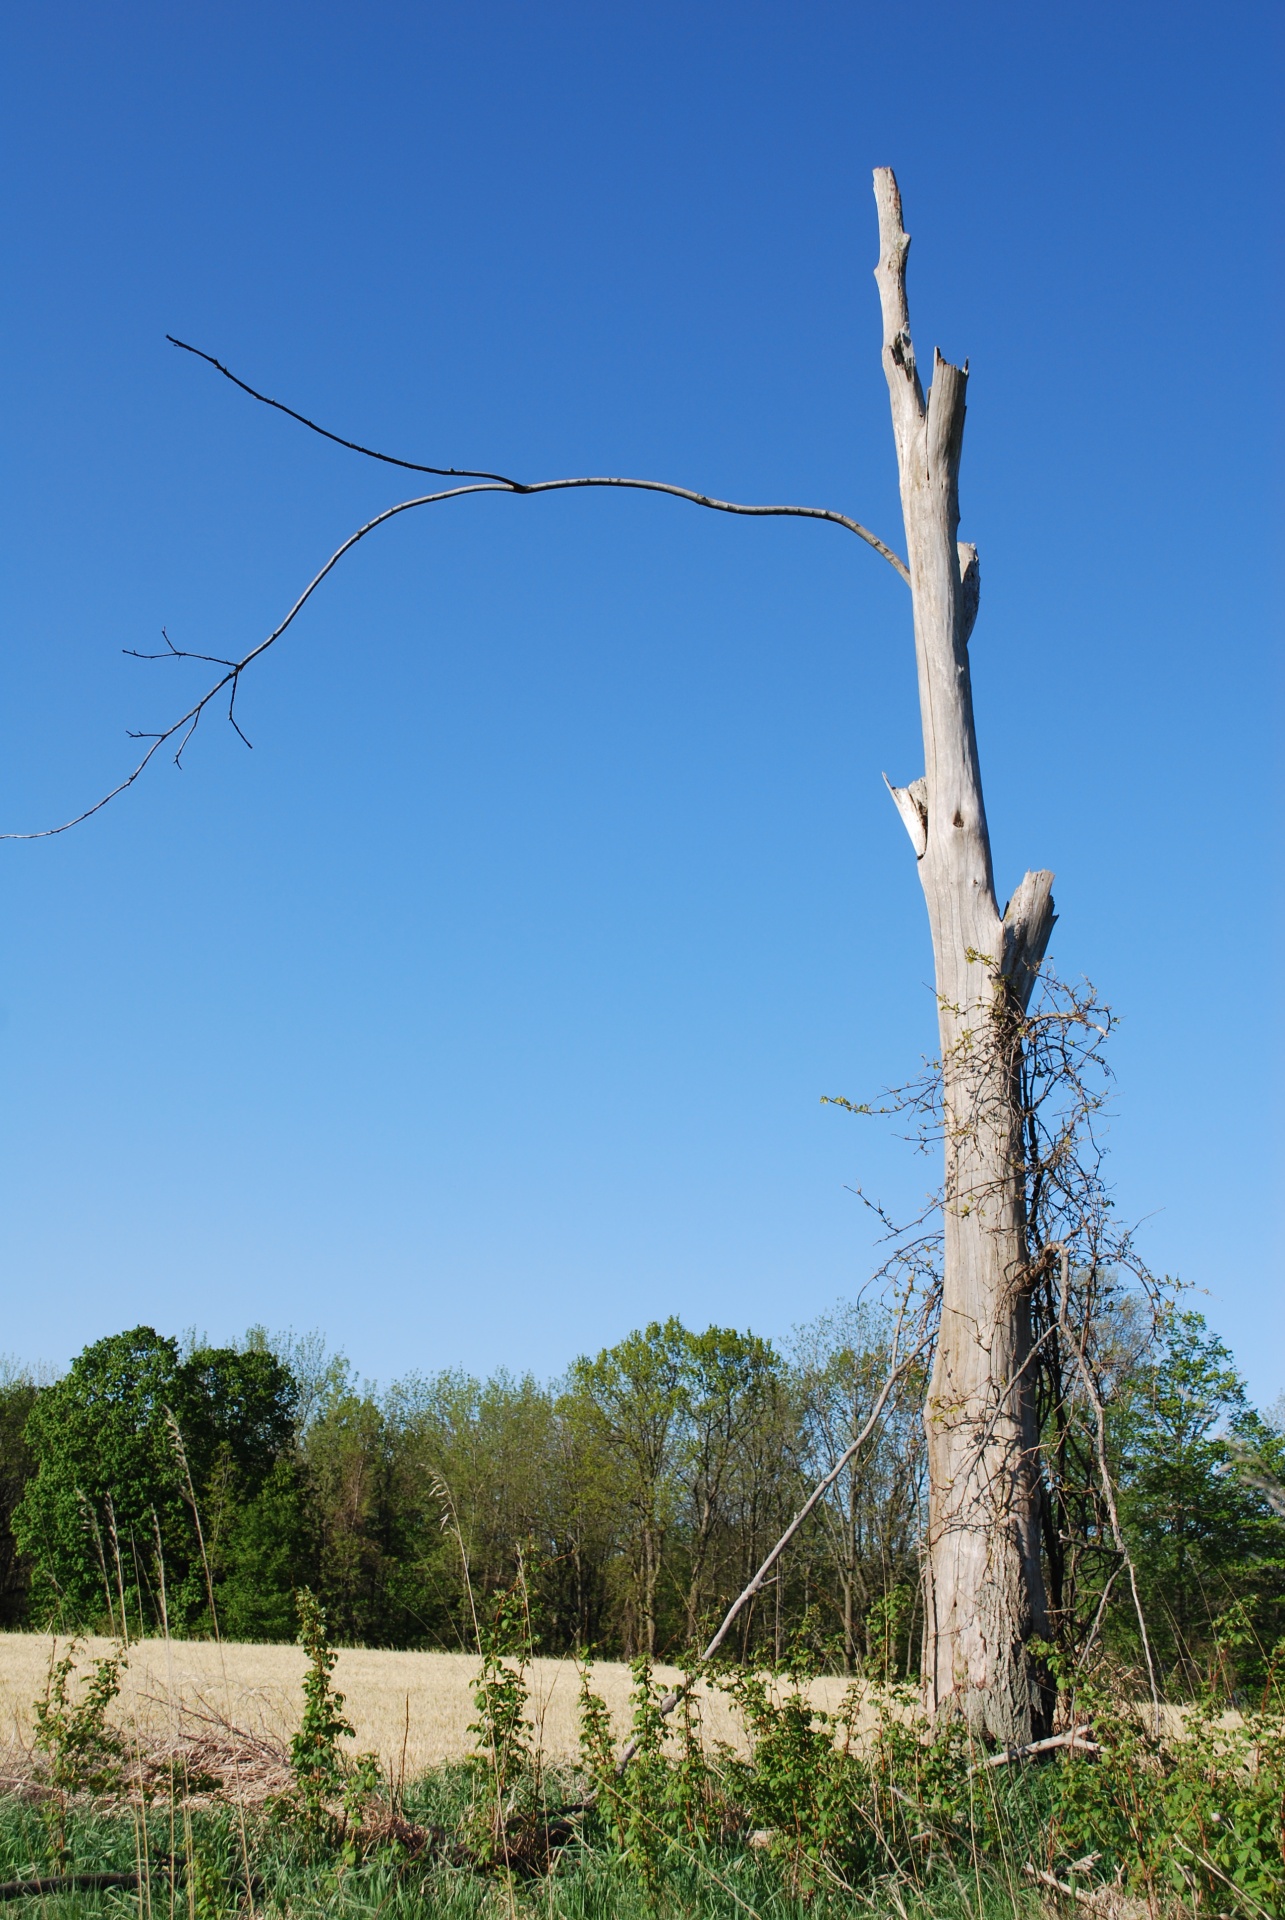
481,1011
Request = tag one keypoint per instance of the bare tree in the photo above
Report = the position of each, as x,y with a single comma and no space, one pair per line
985,1584
985,1597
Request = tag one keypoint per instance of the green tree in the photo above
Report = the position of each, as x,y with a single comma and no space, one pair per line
682,1449
732,1384
18,1392
868,1529
630,1403
270,1544
107,1517
348,1460
494,1452
102,1452
1204,1539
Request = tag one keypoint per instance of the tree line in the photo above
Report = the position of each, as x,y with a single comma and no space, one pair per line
167,1483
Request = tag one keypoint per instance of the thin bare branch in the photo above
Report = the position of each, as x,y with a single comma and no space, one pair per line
499,484
510,485
176,653
237,668
353,446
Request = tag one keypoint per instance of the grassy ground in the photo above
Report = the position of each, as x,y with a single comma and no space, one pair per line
585,1884
892,1822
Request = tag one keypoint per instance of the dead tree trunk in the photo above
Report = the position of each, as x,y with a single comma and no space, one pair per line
984,1584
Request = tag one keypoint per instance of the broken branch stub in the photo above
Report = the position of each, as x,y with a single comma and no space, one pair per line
912,804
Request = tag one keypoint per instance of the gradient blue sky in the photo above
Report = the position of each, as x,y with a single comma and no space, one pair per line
481,1012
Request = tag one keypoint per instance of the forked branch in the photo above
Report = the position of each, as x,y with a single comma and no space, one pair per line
506,484
480,482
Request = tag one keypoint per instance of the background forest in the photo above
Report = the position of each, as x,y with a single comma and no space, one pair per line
639,1492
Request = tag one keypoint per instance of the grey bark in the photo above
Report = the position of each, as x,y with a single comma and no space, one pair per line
984,1583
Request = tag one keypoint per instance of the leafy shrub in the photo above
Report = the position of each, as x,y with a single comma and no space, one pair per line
331,1791
1196,1815
503,1732
82,1753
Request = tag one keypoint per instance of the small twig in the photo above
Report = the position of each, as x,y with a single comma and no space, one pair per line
177,653
178,757
236,681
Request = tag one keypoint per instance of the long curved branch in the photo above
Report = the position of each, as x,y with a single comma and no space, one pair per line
542,486
187,722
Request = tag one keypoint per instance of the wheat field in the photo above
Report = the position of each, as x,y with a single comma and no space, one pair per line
411,1709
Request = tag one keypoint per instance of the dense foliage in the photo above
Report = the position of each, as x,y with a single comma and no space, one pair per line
1195,1460
638,1494
130,1448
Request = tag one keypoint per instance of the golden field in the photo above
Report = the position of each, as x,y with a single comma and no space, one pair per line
412,1709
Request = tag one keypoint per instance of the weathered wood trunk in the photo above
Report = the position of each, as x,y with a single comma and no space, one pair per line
984,1584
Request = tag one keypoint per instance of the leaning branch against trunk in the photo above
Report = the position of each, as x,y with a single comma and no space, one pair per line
897,1371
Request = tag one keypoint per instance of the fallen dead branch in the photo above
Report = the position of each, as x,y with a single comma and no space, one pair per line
83,1882
1078,1737
1107,1902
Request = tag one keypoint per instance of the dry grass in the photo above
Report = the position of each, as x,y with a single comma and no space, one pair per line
411,1709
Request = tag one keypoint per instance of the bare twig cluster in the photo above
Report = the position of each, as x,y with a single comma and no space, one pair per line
1093,1303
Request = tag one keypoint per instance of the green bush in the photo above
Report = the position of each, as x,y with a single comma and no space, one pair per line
82,1753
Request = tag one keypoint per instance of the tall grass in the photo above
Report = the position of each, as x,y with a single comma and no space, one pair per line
588,1883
